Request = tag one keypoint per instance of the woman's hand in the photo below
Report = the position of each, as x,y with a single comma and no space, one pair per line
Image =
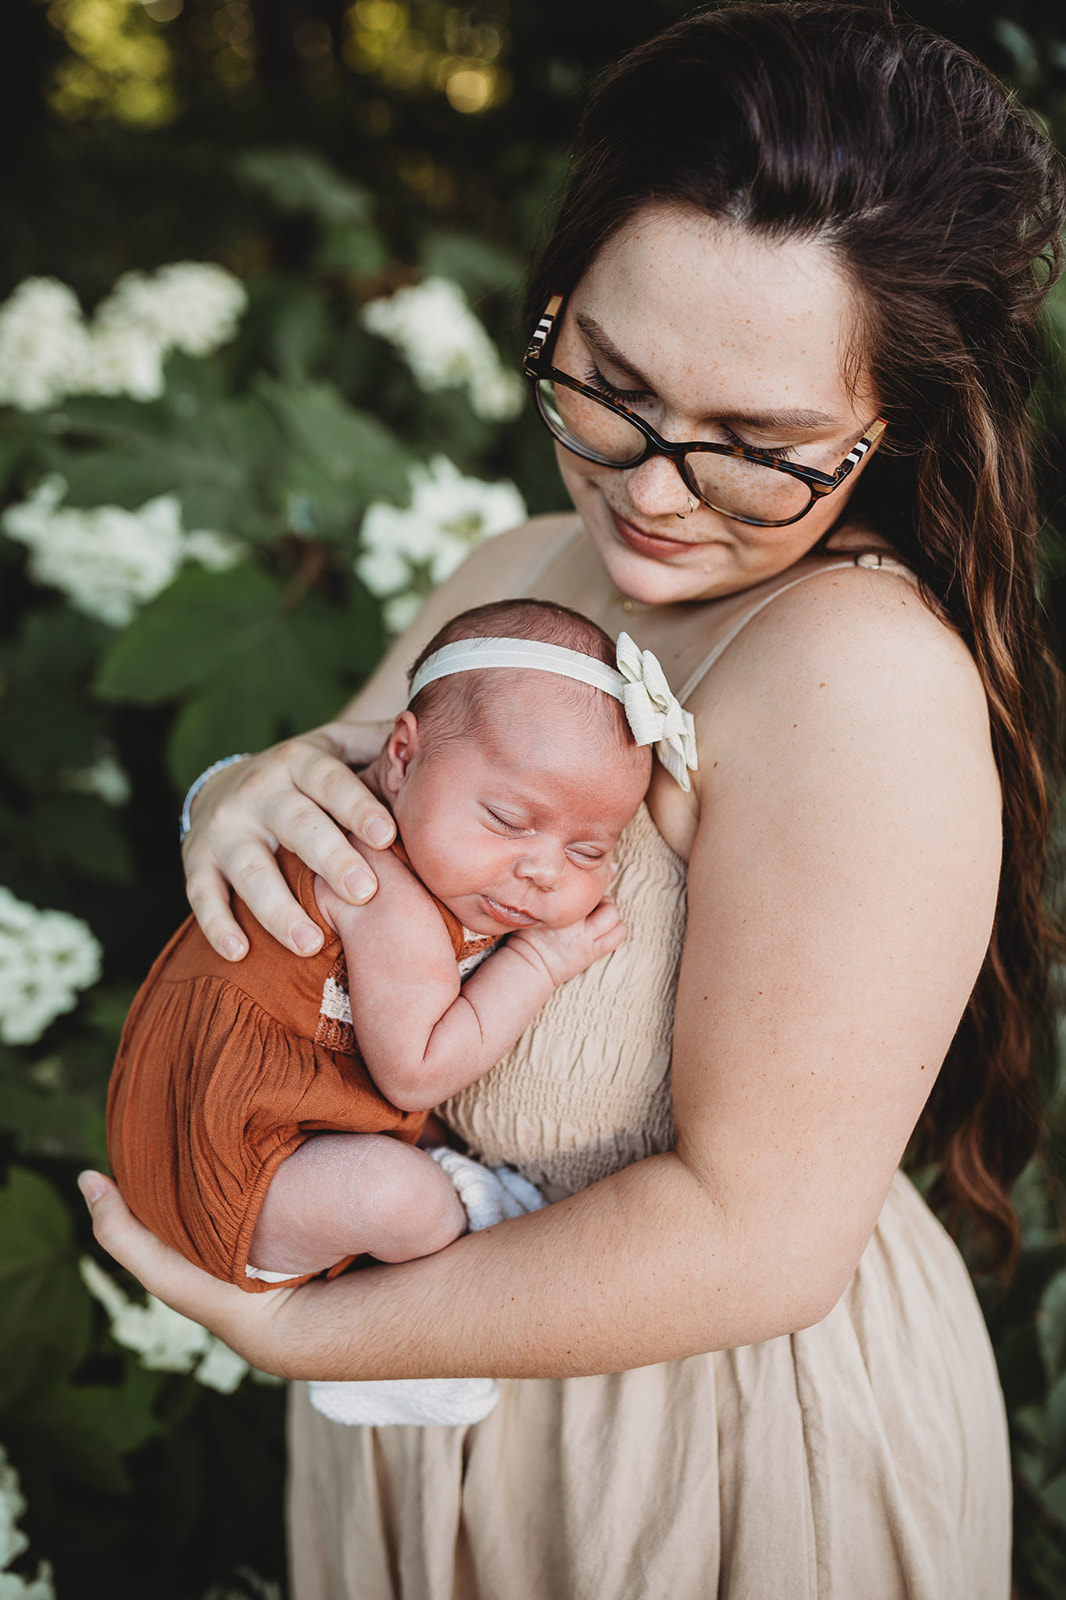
294,794
247,1322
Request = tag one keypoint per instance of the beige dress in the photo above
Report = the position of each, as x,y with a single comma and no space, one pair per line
862,1459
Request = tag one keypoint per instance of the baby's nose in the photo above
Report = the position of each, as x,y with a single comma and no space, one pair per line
541,868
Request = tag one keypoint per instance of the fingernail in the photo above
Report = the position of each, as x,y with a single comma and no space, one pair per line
360,885
306,938
233,948
379,830
92,1185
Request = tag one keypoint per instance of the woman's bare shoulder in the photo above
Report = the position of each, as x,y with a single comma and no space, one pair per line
865,634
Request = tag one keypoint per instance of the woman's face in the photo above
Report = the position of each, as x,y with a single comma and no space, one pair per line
709,332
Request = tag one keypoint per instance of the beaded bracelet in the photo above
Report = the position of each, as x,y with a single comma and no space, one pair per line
186,811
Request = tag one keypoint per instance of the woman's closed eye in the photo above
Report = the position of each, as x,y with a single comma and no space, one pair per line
778,452
629,398
634,399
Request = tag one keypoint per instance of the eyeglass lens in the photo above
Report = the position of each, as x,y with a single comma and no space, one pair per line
732,485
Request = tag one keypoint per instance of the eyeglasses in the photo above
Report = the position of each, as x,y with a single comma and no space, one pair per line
741,482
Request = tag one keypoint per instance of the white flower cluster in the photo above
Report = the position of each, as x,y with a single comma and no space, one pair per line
45,958
108,561
444,344
405,553
164,1339
13,1542
48,349
103,777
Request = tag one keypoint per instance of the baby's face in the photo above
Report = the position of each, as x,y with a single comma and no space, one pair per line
515,828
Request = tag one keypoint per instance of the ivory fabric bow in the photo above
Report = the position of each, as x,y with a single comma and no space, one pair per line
655,714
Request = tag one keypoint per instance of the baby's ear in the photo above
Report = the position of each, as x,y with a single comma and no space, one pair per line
400,750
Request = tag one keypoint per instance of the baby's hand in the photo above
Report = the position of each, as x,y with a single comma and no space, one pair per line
565,952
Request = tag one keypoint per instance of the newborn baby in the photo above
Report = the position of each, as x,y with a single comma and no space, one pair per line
263,1116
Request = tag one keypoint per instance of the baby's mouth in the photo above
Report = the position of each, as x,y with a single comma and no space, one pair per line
510,916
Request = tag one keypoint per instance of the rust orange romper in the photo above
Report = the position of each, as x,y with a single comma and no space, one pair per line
225,1069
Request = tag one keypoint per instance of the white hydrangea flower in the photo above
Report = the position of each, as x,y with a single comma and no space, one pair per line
45,958
44,345
164,1339
108,561
433,327
103,777
13,1542
399,612
189,305
12,1505
123,359
407,551
49,351
217,552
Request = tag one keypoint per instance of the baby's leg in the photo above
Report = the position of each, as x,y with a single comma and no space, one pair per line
344,1194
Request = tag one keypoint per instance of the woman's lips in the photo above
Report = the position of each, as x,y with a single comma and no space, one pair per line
510,916
648,544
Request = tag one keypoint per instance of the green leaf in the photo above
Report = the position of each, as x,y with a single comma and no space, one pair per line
351,247
44,1310
92,1428
300,332
341,460
1051,1326
213,456
189,634
301,180
45,726
274,687
53,1123
475,263
1055,1423
81,831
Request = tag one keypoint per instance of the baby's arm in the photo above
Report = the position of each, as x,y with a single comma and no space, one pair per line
422,1036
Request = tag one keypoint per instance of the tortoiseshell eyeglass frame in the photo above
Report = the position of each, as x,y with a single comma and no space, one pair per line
537,368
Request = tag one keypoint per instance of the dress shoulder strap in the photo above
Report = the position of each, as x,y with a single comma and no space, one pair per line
870,560
551,555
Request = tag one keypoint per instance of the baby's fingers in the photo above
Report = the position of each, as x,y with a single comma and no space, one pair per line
611,938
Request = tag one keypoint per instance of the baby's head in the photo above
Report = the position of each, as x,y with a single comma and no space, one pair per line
511,785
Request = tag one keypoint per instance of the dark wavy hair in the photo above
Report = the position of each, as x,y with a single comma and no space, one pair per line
943,201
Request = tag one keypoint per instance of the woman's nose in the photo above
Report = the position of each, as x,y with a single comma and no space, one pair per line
657,488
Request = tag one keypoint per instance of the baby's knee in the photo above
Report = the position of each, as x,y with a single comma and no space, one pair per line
415,1202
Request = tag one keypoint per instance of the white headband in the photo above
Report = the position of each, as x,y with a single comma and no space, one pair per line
654,713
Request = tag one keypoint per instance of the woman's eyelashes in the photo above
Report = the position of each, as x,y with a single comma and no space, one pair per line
631,399
619,397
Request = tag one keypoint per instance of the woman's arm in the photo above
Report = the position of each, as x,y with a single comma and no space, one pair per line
842,887
302,794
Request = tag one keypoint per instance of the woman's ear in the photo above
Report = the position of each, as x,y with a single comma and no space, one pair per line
400,750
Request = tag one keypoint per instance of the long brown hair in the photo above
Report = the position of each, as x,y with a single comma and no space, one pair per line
943,201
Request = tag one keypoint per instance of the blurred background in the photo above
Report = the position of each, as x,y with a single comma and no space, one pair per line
259,276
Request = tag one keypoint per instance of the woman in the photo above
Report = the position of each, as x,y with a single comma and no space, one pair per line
816,240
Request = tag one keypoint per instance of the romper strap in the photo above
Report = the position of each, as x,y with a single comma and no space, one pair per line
870,560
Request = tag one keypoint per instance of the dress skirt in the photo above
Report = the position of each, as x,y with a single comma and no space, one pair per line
864,1458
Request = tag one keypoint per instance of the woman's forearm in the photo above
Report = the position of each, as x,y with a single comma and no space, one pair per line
641,1268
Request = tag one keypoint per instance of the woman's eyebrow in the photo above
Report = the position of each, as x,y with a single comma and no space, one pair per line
605,346
785,419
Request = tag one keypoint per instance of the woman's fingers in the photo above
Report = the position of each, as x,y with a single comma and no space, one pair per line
241,1319
162,1270
282,797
